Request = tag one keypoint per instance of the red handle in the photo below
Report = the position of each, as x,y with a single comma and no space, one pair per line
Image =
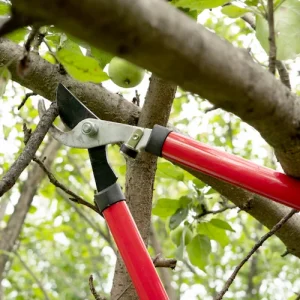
233,169
134,253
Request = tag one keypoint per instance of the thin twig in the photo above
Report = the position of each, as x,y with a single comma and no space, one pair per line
160,262
136,99
89,221
210,109
25,99
40,285
208,212
248,18
283,73
253,250
272,42
93,290
36,138
54,181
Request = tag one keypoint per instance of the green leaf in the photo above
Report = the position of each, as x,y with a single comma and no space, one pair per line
165,207
5,76
198,250
18,35
179,216
251,2
185,201
4,8
168,170
49,57
221,224
214,233
198,4
103,57
81,67
287,30
233,11
198,183
191,13
70,45
32,209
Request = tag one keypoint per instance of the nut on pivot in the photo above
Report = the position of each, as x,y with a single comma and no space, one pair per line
88,128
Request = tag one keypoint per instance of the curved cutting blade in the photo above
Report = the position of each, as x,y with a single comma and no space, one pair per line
71,112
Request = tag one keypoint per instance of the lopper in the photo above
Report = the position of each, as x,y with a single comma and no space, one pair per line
89,132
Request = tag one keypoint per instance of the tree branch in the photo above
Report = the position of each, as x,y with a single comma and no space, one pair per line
93,290
253,250
272,42
43,79
75,198
25,99
9,179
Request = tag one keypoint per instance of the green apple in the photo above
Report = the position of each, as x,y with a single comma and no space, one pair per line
176,235
124,73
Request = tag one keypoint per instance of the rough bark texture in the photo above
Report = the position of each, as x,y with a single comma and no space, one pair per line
156,36
165,273
43,78
140,175
11,232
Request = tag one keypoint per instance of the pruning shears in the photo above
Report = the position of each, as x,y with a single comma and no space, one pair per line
89,132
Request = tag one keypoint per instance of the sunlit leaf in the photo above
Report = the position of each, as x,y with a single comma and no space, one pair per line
198,4
287,30
221,224
168,170
5,76
165,207
81,67
198,250
18,35
214,233
233,11
4,8
103,57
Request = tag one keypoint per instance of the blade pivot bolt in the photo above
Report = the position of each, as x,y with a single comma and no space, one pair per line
89,128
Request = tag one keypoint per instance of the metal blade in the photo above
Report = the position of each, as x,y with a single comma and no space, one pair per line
71,110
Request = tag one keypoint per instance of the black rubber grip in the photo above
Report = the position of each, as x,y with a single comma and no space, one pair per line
157,139
109,197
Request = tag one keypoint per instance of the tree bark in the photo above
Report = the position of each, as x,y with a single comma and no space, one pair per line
11,232
140,175
43,79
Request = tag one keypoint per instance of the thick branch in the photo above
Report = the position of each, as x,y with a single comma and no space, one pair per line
163,40
31,147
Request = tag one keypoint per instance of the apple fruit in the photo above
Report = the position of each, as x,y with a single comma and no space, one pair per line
125,74
176,235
